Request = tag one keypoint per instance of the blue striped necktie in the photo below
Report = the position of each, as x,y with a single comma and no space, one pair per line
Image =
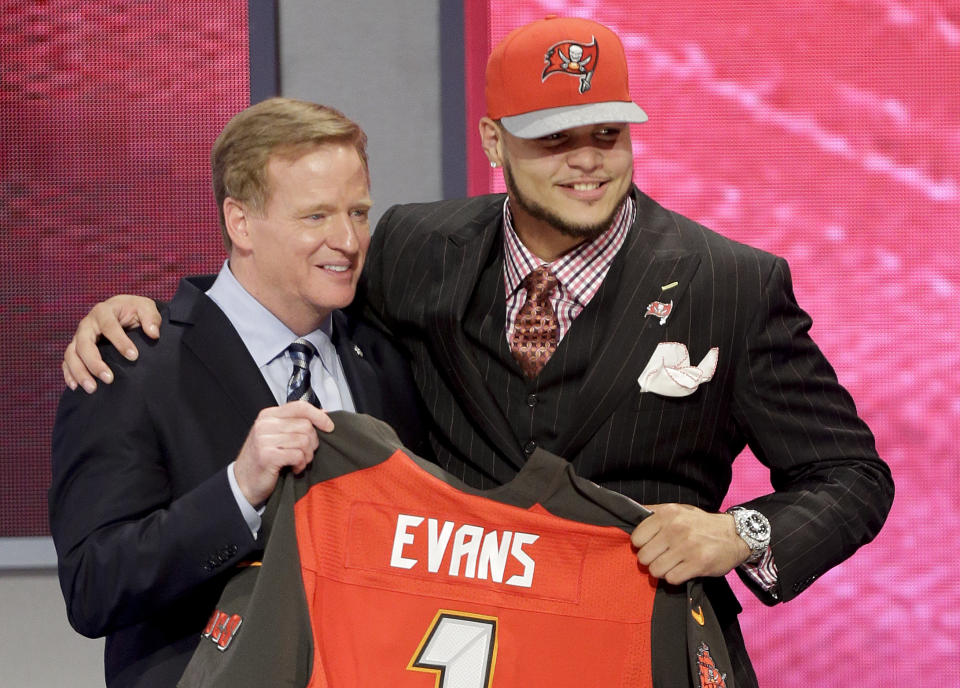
298,388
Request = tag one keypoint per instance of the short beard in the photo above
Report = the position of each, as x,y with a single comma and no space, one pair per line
534,209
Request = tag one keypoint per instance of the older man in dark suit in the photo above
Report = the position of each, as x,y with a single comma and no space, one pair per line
576,314
158,478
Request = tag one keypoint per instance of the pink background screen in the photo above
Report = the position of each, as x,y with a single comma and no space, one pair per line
827,133
107,114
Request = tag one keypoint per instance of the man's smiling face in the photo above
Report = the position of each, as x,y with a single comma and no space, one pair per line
306,249
571,182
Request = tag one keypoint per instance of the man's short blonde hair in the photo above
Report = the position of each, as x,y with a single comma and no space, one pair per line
274,127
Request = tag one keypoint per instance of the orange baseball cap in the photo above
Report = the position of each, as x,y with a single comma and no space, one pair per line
558,73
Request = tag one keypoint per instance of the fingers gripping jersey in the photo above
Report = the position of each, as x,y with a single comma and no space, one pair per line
382,570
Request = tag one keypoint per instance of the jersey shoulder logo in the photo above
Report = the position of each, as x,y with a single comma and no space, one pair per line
709,675
221,628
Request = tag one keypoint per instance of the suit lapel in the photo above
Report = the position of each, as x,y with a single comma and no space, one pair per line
218,347
459,259
651,267
360,374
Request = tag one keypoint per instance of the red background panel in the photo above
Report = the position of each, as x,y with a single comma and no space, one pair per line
107,114
827,133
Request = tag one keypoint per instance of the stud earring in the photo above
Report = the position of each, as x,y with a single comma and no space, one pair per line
493,164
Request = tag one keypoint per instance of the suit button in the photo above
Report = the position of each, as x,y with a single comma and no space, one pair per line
532,400
529,447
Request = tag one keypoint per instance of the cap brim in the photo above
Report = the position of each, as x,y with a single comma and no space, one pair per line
533,125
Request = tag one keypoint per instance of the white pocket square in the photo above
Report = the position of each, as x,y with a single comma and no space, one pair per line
669,373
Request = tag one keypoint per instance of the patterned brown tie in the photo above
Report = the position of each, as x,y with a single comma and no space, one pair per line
536,331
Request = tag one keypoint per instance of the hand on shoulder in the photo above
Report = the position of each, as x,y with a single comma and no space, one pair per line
82,363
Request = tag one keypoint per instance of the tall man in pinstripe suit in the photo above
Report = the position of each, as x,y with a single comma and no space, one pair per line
676,347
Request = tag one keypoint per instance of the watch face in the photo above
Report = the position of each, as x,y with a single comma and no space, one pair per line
754,528
757,526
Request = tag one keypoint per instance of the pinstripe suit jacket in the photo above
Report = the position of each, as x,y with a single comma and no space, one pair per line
434,280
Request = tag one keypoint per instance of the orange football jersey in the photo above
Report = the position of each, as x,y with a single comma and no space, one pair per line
382,570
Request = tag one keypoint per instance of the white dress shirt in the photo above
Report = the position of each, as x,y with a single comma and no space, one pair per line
267,339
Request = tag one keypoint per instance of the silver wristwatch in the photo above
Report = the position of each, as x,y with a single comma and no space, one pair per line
754,528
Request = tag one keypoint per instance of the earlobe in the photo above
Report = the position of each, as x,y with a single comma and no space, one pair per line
236,219
491,141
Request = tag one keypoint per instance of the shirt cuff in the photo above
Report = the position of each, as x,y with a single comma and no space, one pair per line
763,572
250,514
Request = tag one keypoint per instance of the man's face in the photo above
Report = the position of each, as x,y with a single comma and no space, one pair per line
308,245
571,182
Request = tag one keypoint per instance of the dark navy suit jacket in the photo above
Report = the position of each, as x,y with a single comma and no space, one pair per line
145,524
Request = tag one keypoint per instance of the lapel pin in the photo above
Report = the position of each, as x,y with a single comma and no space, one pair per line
665,287
659,310
356,350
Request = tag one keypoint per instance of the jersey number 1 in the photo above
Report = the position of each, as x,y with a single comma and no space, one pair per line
460,648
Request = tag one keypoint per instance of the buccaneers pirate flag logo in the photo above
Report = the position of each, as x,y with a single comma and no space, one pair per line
574,59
